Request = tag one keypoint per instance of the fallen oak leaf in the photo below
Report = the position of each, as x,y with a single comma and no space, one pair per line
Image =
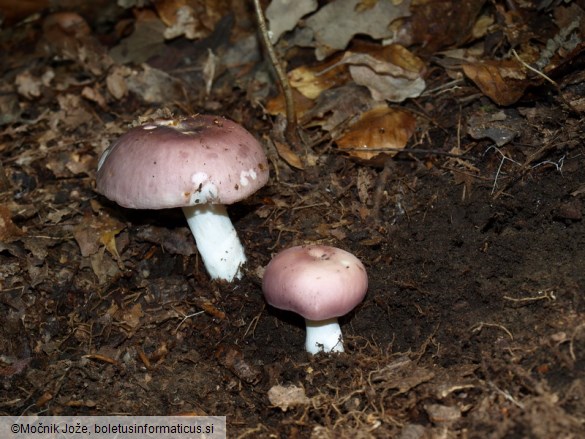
378,133
504,82
108,239
288,155
336,23
94,231
390,73
311,81
8,230
283,15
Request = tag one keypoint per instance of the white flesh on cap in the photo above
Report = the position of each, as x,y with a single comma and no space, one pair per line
217,240
323,336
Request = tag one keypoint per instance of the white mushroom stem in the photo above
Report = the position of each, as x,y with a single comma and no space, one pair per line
217,240
323,336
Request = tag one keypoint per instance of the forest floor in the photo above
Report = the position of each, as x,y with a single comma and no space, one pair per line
473,325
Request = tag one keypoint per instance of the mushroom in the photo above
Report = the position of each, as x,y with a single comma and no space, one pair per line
199,163
320,283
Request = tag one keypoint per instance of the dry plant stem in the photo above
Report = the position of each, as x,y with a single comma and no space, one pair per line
380,188
291,133
4,182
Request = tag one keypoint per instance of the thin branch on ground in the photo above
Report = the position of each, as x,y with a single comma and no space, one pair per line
572,342
481,325
541,295
4,182
185,317
504,158
291,133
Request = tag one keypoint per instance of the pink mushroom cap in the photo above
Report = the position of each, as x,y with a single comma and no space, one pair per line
316,281
176,163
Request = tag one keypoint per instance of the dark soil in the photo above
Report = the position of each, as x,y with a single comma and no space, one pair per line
473,325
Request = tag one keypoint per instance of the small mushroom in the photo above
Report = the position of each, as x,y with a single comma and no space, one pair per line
199,163
320,283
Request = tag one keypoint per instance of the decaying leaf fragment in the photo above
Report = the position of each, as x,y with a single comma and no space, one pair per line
391,73
311,81
287,396
146,41
94,232
283,15
288,155
194,19
334,108
504,82
382,130
128,319
8,230
232,358
446,23
335,24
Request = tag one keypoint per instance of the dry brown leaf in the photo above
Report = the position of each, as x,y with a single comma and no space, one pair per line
116,81
364,183
276,105
13,12
504,82
442,414
155,86
335,24
81,163
103,266
27,85
288,155
146,41
72,115
447,23
8,230
195,19
311,83
283,15
94,95
128,319
391,73
96,230
67,36
334,108
382,130
232,358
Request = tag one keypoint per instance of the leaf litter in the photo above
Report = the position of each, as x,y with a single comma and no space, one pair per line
441,142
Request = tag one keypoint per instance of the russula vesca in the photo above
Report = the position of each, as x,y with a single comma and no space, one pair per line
321,283
199,163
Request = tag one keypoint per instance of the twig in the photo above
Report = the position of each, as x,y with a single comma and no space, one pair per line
405,150
381,187
527,165
185,317
4,182
291,133
572,343
504,158
532,69
480,326
506,395
542,295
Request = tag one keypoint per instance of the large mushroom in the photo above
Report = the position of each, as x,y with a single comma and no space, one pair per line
199,163
319,282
